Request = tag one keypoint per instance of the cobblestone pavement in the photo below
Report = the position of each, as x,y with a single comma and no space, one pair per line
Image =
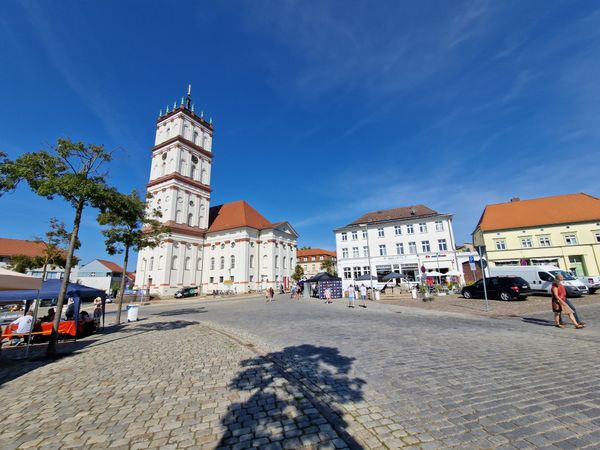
304,373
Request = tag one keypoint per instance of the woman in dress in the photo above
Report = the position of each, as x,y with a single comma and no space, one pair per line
559,305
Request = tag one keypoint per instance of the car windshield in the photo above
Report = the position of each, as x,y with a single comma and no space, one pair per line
566,275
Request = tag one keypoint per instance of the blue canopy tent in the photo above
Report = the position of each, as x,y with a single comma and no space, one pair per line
49,291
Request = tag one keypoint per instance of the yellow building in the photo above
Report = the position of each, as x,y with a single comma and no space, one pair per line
563,230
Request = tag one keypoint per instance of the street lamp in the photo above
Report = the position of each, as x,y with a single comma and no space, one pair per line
366,227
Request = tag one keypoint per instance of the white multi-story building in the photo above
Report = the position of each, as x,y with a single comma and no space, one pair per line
401,240
226,247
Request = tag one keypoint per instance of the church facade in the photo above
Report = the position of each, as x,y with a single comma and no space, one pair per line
225,247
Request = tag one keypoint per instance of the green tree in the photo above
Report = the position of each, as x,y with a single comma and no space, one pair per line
328,266
71,171
130,227
21,263
305,248
298,273
55,242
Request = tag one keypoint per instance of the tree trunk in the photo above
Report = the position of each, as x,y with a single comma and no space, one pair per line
44,272
122,287
51,350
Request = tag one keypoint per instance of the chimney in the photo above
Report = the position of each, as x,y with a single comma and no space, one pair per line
515,199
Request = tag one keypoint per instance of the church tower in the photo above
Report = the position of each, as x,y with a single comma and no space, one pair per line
180,188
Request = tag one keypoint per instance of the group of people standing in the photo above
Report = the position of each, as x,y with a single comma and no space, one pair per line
354,292
561,304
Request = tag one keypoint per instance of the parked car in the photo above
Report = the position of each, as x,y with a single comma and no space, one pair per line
592,282
503,288
186,292
540,278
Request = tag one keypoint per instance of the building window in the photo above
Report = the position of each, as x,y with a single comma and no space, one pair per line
366,250
355,252
265,260
382,250
212,263
597,236
314,258
193,171
220,279
284,262
356,272
232,261
570,239
347,273
439,225
161,262
222,262
199,264
366,270
174,263
425,246
364,234
344,253
380,232
400,248
500,244
188,263
398,230
526,243
314,267
423,227
151,263
410,229
344,236
320,258
212,280
442,245
412,247
354,235
545,241
251,261
276,261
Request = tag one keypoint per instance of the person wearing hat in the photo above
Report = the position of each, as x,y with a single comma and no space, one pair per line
97,312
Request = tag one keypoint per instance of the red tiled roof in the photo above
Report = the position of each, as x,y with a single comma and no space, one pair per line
111,266
406,212
315,252
12,247
235,215
569,208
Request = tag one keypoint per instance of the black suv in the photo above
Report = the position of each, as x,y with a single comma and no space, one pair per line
504,288
186,292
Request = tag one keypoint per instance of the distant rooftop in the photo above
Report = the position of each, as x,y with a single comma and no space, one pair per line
405,212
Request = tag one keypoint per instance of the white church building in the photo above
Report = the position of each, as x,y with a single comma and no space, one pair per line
225,247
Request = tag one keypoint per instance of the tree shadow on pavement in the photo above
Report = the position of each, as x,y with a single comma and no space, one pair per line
536,321
13,363
292,397
180,312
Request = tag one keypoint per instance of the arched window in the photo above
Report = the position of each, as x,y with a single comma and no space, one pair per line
186,131
190,218
182,166
178,216
251,261
212,263
188,263
151,263
167,133
284,264
265,262
174,262
144,264
163,168
195,140
276,261
222,265
199,264
193,171
203,176
232,261
161,262
204,141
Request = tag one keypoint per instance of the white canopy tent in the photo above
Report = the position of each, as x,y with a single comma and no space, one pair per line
453,273
10,281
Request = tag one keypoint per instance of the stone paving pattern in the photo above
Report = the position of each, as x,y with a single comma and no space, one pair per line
245,374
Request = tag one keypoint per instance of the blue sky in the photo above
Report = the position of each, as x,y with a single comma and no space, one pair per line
322,110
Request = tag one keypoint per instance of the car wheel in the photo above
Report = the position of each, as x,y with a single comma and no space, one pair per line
505,296
467,295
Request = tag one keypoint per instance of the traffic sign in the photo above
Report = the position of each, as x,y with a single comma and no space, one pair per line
471,260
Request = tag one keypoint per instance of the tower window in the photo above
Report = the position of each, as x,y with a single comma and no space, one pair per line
193,171
195,140
174,263
222,265
190,218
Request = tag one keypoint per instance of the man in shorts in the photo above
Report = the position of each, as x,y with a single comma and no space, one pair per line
363,295
351,294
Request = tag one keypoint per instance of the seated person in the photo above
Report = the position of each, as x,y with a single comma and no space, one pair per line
24,325
50,316
84,315
70,311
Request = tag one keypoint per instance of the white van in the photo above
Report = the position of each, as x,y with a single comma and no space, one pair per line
540,278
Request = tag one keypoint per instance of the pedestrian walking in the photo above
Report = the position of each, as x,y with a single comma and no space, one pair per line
328,295
351,295
363,295
271,294
559,305
293,292
267,295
